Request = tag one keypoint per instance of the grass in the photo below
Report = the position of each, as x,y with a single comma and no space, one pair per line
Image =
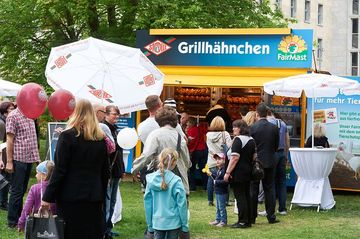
340,222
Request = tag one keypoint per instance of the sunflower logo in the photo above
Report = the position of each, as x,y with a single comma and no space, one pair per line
292,48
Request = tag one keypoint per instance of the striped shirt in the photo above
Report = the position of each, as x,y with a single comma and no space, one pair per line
25,141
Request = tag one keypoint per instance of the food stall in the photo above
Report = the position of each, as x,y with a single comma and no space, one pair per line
203,65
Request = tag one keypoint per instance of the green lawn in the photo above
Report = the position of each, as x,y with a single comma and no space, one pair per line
341,222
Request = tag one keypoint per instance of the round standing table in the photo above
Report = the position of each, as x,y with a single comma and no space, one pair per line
313,166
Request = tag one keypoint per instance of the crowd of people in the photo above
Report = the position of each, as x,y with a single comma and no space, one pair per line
81,185
229,160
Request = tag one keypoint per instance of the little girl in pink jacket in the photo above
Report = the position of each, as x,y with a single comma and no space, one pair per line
33,200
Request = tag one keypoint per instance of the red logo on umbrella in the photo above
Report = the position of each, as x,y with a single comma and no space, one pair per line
61,61
100,94
157,47
148,80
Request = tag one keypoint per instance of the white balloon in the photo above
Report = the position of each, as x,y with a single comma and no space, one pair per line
127,138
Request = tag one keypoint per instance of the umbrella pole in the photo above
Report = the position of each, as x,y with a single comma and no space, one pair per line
312,118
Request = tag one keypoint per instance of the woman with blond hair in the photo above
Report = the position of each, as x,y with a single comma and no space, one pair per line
165,198
320,140
250,118
78,184
218,141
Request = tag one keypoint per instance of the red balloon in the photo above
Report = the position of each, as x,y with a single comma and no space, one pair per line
61,104
31,100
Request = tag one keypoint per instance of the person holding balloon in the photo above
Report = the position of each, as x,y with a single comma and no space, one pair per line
22,145
117,169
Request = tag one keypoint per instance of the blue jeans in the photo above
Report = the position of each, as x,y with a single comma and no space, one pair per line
170,234
19,183
110,203
280,180
210,186
221,215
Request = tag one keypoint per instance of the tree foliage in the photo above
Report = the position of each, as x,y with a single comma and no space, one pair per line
30,28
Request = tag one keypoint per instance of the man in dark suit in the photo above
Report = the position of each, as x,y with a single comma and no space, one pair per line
266,136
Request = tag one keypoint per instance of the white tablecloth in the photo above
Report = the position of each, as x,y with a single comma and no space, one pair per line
313,167
117,215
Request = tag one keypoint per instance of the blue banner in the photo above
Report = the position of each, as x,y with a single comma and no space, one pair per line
340,117
281,51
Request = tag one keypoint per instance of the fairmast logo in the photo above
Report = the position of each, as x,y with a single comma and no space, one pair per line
158,47
292,48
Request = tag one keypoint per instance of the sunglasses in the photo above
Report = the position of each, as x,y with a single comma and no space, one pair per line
102,111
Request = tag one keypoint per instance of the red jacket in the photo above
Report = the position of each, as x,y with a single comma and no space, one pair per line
196,139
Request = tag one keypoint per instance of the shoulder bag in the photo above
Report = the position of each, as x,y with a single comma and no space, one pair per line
257,170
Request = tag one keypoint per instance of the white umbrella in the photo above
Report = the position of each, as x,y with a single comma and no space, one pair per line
104,72
8,88
314,85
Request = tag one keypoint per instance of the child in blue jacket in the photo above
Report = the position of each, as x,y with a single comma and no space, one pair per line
221,191
165,199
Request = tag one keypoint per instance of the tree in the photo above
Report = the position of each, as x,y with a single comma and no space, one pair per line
30,28
208,14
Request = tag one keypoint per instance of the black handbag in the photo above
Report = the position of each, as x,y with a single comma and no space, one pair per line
257,171
44,227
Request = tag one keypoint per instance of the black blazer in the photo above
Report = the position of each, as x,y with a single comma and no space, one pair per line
81,170
242,170
116,164
266,137
318,141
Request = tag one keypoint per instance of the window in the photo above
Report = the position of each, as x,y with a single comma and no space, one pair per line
307,10
355,6
355,32
319,49
293,8
320,14
354,63
278,4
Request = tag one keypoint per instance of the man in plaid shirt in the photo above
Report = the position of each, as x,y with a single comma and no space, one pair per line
22,151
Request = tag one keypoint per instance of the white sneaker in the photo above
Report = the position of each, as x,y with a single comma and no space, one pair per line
214,223
263,213
221,224
282,213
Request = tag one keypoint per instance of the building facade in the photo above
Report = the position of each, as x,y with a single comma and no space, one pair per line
336,31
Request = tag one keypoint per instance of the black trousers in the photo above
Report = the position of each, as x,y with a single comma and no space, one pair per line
83,220
269,191
243,201
19,183
198,160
